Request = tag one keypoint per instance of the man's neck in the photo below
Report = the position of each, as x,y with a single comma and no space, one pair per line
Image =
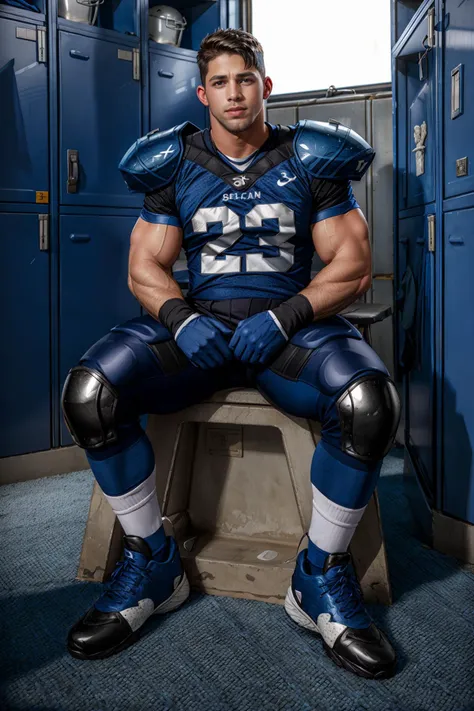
242,144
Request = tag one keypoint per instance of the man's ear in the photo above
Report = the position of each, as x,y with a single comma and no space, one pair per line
201,95
267,87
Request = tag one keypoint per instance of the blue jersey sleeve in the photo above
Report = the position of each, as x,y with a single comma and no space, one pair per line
331,198
159,207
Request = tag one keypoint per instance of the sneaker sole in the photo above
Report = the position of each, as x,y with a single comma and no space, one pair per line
304,620
175,600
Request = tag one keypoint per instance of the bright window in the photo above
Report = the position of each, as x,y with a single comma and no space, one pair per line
311,44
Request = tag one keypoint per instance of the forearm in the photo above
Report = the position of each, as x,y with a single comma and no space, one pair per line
337,286
153,285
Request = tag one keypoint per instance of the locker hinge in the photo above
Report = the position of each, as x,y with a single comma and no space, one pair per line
431,232
41,44
43,232
430,37
136,64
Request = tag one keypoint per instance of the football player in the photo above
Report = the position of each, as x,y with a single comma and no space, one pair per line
249,202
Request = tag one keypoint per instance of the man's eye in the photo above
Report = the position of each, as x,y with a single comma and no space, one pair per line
216,83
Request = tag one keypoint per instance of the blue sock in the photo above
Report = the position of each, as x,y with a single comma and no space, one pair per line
158,543
316,558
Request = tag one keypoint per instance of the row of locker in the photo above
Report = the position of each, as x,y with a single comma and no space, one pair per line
100,112
433,78
93,297
416,85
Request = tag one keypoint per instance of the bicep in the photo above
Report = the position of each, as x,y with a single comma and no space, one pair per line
156,242
346,236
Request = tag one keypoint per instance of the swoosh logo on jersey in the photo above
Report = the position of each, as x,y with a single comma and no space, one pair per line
287,180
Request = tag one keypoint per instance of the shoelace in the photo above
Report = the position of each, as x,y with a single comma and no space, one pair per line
124,580
346,591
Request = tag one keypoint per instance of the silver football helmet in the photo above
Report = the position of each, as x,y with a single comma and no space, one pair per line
166,25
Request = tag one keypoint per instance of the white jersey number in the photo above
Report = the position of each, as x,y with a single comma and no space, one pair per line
232,264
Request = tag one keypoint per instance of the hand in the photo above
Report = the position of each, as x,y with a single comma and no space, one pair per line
256,339
202,341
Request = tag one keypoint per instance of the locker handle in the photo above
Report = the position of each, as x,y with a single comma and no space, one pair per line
76,54
420,240
79,238
456,240
72,170
403,240
167,75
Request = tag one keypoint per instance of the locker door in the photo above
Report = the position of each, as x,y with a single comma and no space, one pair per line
416,343
94,295
458,97
99,118
458,382
416,109
23,114
173,83
25,417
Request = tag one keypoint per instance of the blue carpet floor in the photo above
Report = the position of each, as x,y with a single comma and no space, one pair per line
215,653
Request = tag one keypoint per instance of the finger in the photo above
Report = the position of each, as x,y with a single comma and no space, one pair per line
222,347
247,353
234,340
224,328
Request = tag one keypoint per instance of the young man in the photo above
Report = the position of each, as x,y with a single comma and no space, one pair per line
249,202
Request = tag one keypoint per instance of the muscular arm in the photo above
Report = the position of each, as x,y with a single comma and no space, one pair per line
343,244
154,248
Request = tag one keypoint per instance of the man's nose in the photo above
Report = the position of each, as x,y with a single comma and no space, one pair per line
235,92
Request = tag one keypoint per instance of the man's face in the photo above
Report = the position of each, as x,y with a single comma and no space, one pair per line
233,93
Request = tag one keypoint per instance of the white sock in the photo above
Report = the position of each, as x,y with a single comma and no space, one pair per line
138,510
332,526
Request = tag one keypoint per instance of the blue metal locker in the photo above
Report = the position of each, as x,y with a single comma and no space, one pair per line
25,421
174,77
94,295
99,113
23,112
458,380
458,85
416,109
416,344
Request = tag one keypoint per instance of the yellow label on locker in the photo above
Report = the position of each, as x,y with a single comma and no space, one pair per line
42,196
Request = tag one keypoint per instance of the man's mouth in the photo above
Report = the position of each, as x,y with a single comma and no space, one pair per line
235,111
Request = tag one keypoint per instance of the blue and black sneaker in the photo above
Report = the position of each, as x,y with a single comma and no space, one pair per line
331,604
139,587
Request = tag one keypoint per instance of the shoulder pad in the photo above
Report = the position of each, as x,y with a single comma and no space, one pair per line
153,160
331,150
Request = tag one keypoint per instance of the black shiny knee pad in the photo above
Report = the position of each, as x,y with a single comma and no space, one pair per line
89,405
369,413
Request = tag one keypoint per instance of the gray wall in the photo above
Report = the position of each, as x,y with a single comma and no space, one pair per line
371,117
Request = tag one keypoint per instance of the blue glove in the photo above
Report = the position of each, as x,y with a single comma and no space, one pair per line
257,338
202,341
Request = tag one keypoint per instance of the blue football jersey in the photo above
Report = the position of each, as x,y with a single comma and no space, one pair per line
247,234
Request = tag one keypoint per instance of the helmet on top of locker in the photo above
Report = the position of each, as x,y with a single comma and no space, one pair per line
166,25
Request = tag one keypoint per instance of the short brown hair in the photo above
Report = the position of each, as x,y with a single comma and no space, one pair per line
230,42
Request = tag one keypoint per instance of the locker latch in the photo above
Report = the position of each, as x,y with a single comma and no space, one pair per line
430,37
136,64
72,170
41,44
429,41
431,232
419,134
43,221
